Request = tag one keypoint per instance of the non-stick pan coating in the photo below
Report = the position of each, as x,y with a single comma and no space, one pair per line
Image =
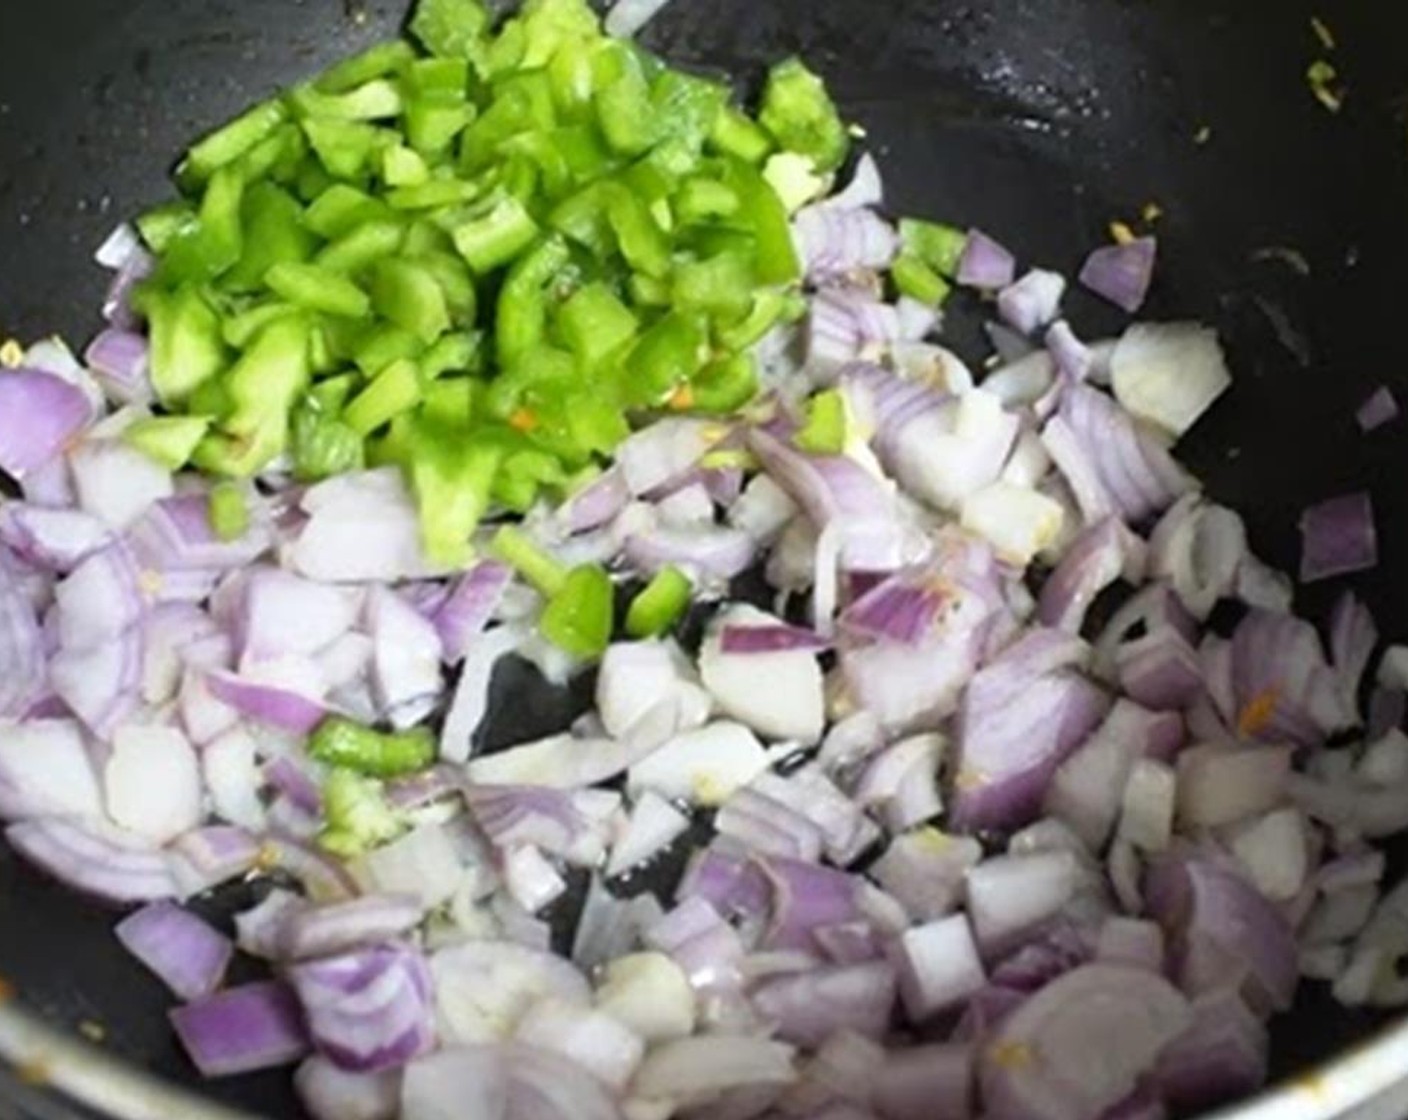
1041,120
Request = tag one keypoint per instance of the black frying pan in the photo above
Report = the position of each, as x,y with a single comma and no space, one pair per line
1040,120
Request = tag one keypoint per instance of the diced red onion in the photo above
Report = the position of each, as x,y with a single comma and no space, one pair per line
1087,789
483,988
1221,1056
926,1082
864,189
938,967
1082,1044
330,1093
266,703
696,1070
1102,554
627,17
1221,931
833,242
985,263
338,927
240,1030
1282,687
360,526
1131,941
183,951
100,684
1011,895
45,771
1353,636
368,1010
712,553
1033,301
1018,722
119,360
768,827
40,415
116,482
1338,537
1121,273
1380,408
97,861
57,540
562,823
1137,473
212,855
809,1007
1168,374
1074,359
770,639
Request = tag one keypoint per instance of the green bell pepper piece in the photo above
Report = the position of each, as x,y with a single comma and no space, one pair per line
395,390
720,286
403,167
495,237
275,232
321,445
317,288
521,314
824,432
186,348
915,279
456,352
520,552
345,148
268,378
450,28
227,143
376,61
168,440
210,247
356,815
378,99
595,324
362,247
238,330
578,618
660,604
726,385
406,293
340,742
667,355
938,246
735,135
451,477
702,199
228,511
799,112
340,209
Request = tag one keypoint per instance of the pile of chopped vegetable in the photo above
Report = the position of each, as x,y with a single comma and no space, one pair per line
1022,794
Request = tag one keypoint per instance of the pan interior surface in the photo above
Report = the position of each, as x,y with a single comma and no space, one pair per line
1040,120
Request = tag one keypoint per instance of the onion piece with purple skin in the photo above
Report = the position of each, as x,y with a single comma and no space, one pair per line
1282,688
369,1009
57,540
838,493
241,1030
1338,537
985,264
1137,473
99,861
1104,553
1021,716
340,927
185,953
1200,549
1121,273
1082,1044
40,415
1220,1057
832,242
809,1007
121,362
1221,932
1378,409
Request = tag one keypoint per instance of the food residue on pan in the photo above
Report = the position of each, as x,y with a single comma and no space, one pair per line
1325,84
